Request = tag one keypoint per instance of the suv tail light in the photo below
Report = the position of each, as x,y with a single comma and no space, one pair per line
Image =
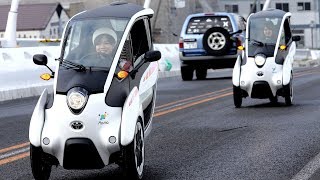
181,43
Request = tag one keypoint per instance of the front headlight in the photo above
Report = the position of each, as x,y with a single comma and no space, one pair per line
77,98
260,59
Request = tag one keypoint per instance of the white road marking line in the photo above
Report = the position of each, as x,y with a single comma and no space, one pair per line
308,170
14,153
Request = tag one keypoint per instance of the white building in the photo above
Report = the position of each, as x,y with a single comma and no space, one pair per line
36,20
304,21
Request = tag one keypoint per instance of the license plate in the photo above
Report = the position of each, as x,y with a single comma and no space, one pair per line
190,45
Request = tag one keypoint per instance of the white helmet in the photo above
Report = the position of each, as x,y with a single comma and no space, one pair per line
101,31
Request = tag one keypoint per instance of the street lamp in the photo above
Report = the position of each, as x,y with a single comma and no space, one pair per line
312,25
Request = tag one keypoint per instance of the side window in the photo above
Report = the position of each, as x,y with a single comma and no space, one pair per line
140,44
282,37
287,31
242,23
125,61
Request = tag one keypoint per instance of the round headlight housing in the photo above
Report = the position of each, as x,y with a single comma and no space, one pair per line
77,98
260,59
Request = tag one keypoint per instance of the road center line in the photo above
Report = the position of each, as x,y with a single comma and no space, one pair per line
191,104
14,147
14,153
14,158
190,98
186,102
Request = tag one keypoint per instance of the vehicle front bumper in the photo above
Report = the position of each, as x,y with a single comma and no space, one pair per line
261,86
100,122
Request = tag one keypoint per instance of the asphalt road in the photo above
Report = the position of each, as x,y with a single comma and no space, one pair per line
198,134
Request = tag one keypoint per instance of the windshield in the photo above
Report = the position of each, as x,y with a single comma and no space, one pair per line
263,34
93,42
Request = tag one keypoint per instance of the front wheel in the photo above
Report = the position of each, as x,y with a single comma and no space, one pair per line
40,169
133,154
237,96
288,91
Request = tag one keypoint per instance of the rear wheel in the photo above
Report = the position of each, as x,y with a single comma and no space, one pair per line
201,73
186,73
237,96
41,170
288,91
133,154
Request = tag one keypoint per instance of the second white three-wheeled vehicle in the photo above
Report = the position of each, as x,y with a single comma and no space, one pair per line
264,69
104,94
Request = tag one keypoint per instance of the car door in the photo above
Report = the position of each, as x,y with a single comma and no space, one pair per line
285,41
141,43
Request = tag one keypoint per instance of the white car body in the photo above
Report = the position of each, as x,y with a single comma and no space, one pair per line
106,129
273,73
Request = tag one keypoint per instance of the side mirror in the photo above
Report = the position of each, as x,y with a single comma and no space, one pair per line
296,38
151,56
40,59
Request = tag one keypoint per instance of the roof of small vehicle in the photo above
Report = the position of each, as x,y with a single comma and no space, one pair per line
269,13
120,10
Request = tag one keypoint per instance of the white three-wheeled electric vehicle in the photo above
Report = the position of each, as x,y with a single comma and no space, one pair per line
101,109
264,69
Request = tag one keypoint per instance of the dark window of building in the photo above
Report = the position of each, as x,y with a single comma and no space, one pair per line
283,6
255,8
304,6
231,8
307,6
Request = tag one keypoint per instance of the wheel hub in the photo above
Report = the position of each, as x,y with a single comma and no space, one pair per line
216,41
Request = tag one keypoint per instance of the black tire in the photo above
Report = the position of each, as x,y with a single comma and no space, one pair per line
274,100
201,73
288,93
133,154
237,97
186,73
216,41
40,169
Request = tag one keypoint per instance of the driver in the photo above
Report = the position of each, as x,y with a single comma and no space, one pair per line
268,33
104,40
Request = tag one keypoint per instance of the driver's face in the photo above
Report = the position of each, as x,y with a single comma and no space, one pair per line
267,32
104,45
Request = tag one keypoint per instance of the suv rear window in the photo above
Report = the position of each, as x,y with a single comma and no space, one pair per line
199,25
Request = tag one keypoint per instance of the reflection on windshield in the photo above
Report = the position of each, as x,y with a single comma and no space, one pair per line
263,34
93,42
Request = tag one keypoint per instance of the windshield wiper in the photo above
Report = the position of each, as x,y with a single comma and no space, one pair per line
256,42
69,64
